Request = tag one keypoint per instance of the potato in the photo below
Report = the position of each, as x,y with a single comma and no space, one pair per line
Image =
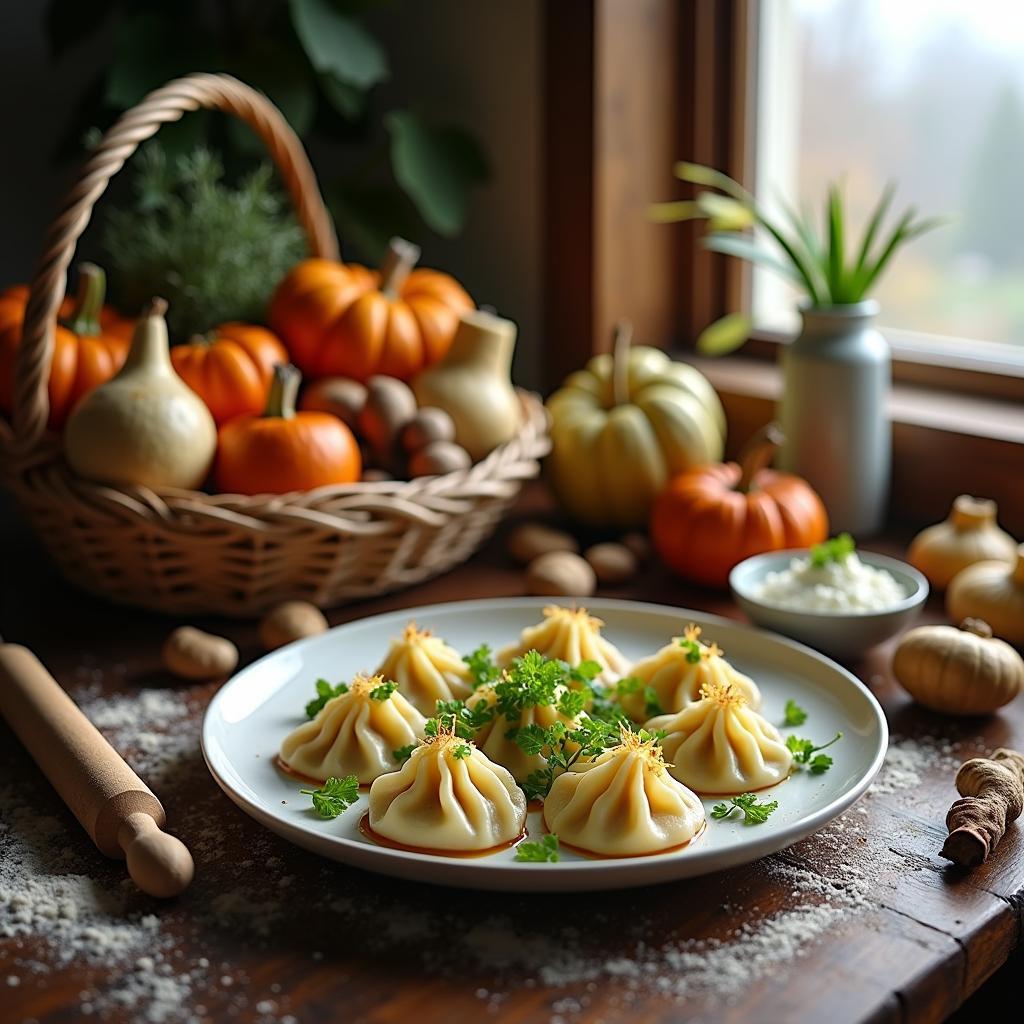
192,654
339,396
390,404
530,540
290,621
428,425
612,563
560,574
439,457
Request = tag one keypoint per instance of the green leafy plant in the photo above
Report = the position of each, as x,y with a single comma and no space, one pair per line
835,549
324,693
793,714
544,850
402,754
816,258
215,252
755,811
806,753
319,62
334,797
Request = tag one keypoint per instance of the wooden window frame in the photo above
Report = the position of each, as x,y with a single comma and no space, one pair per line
630,87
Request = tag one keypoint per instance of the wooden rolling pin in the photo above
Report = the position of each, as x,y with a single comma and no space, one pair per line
116,808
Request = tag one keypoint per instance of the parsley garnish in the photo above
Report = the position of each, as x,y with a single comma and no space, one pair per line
481,666
652,706
833,550
335,796
543,851
692,647
402,754
755,812
806,753
793,714
383,691
462,751
562,746
324,693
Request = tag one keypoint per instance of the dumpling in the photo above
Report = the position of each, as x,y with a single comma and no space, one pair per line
676,674
494,741
572,636
720,745
448,796
426,669
623,803
355,733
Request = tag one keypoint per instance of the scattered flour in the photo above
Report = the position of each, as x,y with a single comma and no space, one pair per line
55,910
909,759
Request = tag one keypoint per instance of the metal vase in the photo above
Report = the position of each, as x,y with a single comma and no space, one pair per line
834,412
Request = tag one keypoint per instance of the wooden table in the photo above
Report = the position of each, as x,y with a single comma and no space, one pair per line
344,945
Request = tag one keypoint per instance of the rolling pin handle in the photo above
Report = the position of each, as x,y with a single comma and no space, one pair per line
159,863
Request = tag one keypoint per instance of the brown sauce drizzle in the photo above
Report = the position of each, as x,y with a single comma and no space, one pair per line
376,837
592,855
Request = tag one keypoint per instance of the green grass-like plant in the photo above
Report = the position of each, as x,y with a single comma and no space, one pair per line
214,251
818,260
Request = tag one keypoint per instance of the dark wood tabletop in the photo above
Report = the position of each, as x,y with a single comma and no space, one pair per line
270,932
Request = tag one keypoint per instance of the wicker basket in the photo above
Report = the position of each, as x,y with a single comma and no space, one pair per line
186,551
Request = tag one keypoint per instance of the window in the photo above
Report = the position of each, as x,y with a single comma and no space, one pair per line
930,94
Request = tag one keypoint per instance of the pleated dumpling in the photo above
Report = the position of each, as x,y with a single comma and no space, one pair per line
426,669
356,733
448,796
672,678
572,636
721,746
497,738
623,803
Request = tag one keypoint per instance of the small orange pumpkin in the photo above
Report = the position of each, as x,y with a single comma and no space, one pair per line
89,345
343,320
284,450
230,368
709,519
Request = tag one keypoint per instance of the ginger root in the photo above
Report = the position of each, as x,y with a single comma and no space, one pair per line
992,796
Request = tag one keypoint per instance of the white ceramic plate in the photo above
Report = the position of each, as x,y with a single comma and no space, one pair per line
252,713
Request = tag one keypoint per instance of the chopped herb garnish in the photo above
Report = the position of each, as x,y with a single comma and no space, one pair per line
692,647
562,746
806,753
624,687
545,850
481,666
833,550
335,796
652,706
402,754
324,693
793,714
462,751
383,691
755,811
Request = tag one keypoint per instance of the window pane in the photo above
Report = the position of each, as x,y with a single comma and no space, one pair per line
926,93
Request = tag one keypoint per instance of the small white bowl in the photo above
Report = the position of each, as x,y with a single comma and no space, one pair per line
839,634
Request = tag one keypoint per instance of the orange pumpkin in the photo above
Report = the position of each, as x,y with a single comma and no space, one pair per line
284,450
230,368
709,519
89,346
342,320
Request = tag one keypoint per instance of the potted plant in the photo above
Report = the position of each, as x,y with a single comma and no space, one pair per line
836,372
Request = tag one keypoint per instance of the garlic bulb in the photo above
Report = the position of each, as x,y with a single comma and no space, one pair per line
993,591
969,535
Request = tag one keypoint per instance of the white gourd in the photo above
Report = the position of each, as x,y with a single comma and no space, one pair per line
970,534
144,426
993,592
473,384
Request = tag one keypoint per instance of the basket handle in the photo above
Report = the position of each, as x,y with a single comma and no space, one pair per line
30,407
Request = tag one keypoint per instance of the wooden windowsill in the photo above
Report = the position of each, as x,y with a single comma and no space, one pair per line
944,443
